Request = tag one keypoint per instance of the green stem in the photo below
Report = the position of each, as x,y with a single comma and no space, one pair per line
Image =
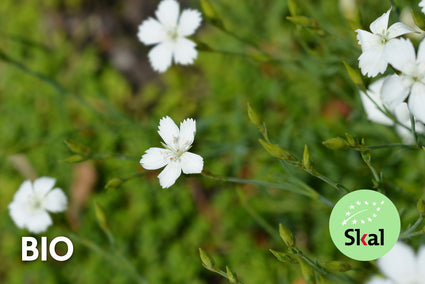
325,179
116,259
311,193
408,233
257,217
370,166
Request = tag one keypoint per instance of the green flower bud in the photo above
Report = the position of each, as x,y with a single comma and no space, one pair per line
339,266
207,261
354,75
283,257
75,159
114,183
230,276
77,147
211,14
421,207
307,163
336,143
100,216
277,151
287,236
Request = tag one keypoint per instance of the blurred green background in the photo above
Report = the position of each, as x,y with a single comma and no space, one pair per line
74,70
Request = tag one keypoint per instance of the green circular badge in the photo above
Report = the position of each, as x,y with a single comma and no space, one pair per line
364,225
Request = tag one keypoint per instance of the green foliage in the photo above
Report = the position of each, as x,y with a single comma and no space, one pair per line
56,86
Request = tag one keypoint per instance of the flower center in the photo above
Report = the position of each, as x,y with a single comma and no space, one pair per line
173,34
384,37
35,203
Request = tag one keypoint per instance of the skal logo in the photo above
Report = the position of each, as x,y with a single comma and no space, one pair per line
364,225
29,244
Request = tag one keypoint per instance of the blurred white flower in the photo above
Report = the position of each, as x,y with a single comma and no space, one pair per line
401,112
372,61
401,266
169,33
175,156
410,83
32,201
422,5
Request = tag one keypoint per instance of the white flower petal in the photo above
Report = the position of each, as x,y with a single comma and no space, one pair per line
18,214
168,13
400,53
168,131
56,201
399,264
43,185
368,40
394,92
191,163
402,114
372,62
151,32
187,133
398,29
417,101
420,263
371,106
379,280
38,222
184,51
155,158
169,174
24,191
189,21
379,26
421,51
161,57
422,4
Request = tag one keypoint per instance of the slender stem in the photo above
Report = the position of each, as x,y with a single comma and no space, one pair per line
112,258
395,145
327,180
310,193
257,217
366,159
408,233
413,127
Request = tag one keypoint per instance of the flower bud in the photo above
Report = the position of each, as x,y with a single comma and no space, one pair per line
354,75
207,261
75,159
336,143
307,163
114,183
277,151
230,276
77,147
101,217
287,236
339,266
421,207
211,14
283,257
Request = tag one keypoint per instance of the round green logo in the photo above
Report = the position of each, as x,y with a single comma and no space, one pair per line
364,225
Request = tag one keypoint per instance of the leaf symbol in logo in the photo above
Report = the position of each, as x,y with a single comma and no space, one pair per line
359,208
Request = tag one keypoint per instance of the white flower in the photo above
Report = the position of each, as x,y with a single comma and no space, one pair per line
372,61
169,33
32,201
411,82
422,4
401,266
175,156
401,112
